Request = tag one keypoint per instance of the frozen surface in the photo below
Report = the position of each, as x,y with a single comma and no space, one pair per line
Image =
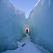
11,25
28,48
41,23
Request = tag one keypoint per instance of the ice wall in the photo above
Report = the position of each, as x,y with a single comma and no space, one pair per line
41,23
11,24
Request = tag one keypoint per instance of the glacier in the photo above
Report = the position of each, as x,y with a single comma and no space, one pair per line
12,23
41,23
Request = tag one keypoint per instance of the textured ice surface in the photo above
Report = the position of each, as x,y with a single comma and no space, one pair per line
41,22
28,48
12,22
11,25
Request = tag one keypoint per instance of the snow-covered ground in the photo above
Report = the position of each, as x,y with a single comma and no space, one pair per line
26,46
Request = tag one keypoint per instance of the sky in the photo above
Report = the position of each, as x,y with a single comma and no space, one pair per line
24,5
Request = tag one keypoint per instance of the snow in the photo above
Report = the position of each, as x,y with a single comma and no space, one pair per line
28,47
